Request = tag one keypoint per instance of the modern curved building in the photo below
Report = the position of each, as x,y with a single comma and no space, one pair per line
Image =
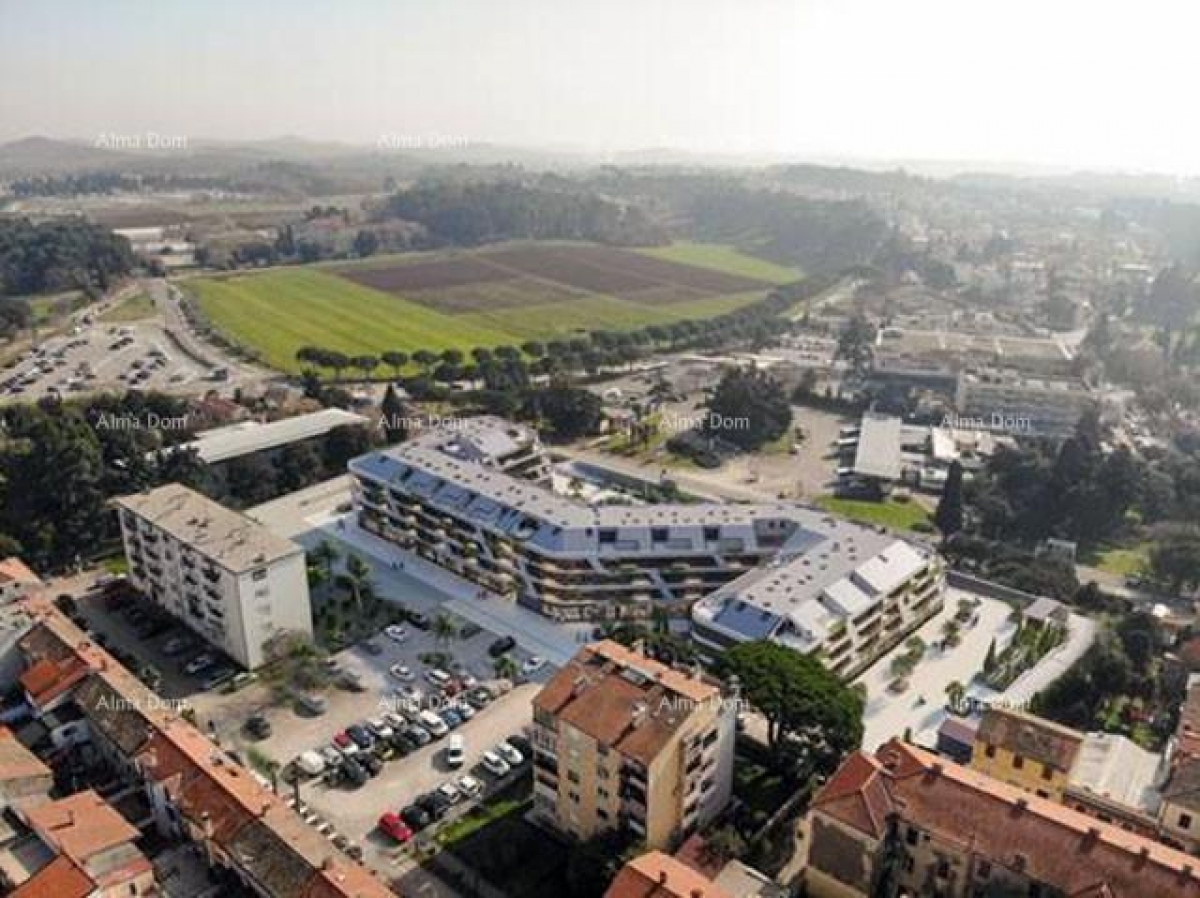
476,500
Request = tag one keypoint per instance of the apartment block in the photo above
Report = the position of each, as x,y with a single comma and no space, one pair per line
747,571
226,577
905,822
1014,404
624,742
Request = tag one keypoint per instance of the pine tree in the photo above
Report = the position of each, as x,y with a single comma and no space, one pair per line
949,514
394,412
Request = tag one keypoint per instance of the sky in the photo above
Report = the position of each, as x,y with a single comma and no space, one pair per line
1105,84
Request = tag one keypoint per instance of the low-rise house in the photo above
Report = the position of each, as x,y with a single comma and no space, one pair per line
658,875
905,822
24,779
1026,751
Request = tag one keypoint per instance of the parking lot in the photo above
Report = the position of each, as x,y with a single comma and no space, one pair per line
95,356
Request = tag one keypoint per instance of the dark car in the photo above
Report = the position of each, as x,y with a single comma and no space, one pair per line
433,805
258,727
418,735
416,817
353,773
360,736
502,645
217,676
372,764
451,717
419,620
521,744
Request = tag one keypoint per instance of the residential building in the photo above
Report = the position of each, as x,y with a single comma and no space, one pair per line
1025,751
196,793
1179,813
905,822
658,875
463,499
87,832
622,741
1117,781
1007,402
226,577
24,779
223,444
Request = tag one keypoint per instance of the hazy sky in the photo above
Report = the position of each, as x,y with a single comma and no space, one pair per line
1081,83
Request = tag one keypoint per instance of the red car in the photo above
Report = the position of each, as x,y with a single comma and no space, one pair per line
395,827
341,740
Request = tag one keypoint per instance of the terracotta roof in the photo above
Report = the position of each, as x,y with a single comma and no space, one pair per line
1054,845
1187,732
61,878
856,794
80,825
658,875
623,699
16,761
1183,786
1030,737
248,820
14,570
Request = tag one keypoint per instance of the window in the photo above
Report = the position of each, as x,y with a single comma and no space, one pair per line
1018,762
602,814
712,534
260,574
659,534
1042,793
1047,772
985,869
1185,820
608,537
573,776
990,751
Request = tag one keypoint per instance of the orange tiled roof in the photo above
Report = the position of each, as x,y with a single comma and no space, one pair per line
658,875
1031,737
80,825
16,761
14,570
1056,845
61,878
47,680
601,689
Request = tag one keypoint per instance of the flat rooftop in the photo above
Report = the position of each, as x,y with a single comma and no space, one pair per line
247,437
227,537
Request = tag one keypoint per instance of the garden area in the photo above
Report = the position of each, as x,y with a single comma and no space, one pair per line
1030,644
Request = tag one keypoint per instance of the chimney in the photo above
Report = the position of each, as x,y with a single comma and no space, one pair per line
1021,804
662,877
1092,837
206,825
640,711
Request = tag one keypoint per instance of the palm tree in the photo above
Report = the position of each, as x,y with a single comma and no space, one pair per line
325,555
955,693
444,628
357,580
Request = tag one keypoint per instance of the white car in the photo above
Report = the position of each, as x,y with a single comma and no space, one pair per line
380,728
396,633
494,764
437,676
463,710
511,756
311,763
395,721
436,726
402,672
470,787
533,665
456,751
450,792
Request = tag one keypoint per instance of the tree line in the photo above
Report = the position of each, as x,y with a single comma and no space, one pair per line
62,254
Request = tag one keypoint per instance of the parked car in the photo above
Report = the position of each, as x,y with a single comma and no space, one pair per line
380,728
372,648
345,744
402,672
330,755
511,756
370,763
361,736
311,704
416,817
449,793
470,787
521,744
437,676
455,752
396,633
419,620
501,645
199,663
311,763
478,698
464,710
433,805
258,727
494,764
533,665
353,772
417,735
450,717
391,825
434,724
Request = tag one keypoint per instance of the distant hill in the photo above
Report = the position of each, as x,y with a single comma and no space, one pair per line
45,155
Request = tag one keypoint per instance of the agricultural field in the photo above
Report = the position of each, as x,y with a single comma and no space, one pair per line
489,297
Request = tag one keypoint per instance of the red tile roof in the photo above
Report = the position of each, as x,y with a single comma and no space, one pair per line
80,826
1057,846
61,878
16,761
658,875
14,570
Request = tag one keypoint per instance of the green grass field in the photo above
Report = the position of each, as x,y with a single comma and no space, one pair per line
890,513
724,258
276,312
137,308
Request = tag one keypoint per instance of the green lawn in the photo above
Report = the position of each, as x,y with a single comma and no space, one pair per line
1123,562
724,258
890,513
276,312
136,308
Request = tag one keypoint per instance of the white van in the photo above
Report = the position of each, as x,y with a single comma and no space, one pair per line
456,751
436,726
311,763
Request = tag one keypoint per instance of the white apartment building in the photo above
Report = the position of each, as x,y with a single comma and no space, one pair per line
574,561
228,578
1009,403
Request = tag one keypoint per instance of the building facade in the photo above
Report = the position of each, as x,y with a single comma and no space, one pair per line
905,822
473,500
622,741
226,577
